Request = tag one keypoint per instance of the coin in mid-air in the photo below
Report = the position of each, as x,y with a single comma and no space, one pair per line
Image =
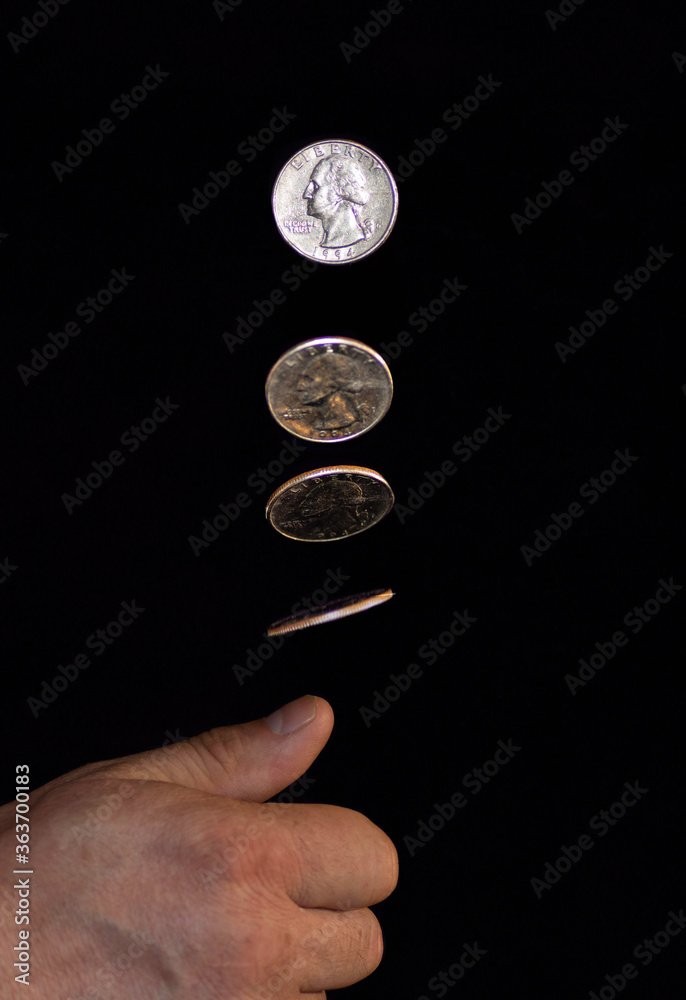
328,504
331,611
329,389
335,201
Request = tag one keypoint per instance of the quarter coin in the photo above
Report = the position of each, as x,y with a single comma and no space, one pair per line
329,389
329,612
329,504
335,201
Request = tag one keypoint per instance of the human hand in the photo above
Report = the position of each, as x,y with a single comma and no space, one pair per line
166,874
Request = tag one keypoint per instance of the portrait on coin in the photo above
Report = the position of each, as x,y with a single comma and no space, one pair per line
339,505
327,388
335,192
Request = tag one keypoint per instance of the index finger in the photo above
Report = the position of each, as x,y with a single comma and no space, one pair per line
343,860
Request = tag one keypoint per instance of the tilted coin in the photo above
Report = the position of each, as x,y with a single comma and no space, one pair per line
329,389
329,504
331,611
335,201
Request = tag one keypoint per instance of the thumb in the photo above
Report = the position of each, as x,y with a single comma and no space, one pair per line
251,761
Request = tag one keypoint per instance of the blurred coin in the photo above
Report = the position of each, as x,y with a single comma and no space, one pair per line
329,612
329,504
335,201
329,389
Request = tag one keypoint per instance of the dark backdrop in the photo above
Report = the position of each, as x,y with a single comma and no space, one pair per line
466,546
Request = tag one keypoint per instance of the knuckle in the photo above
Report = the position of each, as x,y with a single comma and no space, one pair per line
214,753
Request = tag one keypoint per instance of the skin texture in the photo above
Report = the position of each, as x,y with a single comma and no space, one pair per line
163,875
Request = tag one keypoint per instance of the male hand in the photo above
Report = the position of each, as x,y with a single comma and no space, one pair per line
167,875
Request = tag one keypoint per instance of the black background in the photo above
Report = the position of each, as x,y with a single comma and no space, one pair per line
171,673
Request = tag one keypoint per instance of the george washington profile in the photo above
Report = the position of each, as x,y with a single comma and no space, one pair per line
341,506
335,192
327,388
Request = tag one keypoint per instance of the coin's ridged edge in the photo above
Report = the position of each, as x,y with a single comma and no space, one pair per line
318,341
284,627
327,470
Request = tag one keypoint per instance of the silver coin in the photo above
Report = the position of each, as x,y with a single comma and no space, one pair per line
328,504
342,607
335,201
329,389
